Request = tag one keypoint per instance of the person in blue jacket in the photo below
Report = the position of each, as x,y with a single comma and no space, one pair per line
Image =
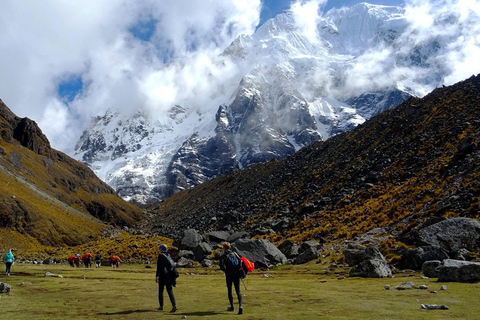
9,259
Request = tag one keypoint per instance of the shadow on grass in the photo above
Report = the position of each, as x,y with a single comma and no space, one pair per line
199,314
125,312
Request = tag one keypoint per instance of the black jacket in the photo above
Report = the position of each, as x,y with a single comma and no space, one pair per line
163,265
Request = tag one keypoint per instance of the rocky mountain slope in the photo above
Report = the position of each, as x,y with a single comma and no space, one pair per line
418,160
284,91
48,198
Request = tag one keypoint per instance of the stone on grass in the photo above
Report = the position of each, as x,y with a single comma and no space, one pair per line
5,287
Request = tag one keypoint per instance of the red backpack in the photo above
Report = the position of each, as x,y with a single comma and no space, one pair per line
248,264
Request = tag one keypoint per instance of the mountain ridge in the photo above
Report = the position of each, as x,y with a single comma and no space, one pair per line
417,160
48,198
277,98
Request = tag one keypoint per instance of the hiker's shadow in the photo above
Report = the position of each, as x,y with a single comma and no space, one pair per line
125,312
198,314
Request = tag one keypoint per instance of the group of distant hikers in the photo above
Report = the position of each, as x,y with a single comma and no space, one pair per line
234,267
88,257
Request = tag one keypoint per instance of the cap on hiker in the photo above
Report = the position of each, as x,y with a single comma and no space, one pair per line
163,247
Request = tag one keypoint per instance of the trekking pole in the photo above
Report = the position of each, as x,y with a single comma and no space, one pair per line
243,281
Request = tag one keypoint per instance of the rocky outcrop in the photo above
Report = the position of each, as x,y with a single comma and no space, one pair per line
459,271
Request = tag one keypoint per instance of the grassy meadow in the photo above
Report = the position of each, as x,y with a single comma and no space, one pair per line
290,292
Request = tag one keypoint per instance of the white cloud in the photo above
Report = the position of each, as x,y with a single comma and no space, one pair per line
306,15
44,42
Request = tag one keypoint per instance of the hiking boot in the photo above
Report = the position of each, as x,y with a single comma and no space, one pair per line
230,309
240,310
160,308
174,309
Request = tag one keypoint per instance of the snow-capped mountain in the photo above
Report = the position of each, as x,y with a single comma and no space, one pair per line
290,90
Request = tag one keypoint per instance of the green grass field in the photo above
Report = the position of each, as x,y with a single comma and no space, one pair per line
292,292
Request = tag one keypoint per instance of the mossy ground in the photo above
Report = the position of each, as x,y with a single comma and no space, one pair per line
292,292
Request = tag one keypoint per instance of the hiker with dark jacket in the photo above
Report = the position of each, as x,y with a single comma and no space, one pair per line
230,264
165,277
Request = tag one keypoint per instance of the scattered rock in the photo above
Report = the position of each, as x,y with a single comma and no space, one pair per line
5,287
423,287
386,287
443,287
434,307
405,286
207,263
185,263
49,274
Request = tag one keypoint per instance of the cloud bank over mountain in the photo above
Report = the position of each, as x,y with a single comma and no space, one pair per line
153,54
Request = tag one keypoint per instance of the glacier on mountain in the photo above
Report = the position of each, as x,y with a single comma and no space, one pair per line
288,91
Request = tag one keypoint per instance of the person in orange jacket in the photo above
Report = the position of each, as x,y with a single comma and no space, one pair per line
70,261
76,260
115,261
87,259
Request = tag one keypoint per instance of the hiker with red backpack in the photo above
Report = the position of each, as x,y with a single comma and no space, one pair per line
87,259
231,264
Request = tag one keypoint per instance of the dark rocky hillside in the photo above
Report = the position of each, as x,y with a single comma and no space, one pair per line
46,196
418,160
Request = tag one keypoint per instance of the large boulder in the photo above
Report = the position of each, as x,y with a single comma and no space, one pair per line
308,255
356,256
372,268
459,271
451,234
218,236
430,268
238,235
261,252
190,240
414,258
5,287
188,254
202,251
289,249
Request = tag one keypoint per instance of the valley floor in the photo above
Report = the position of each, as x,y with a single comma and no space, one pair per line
290,292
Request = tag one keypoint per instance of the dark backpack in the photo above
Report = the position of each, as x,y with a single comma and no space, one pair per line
232,263
170,268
